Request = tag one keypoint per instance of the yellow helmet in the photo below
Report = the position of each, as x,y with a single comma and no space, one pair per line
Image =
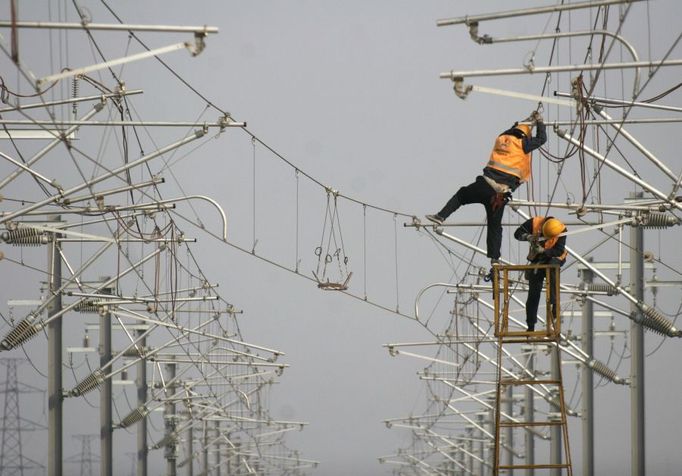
525,128
552,228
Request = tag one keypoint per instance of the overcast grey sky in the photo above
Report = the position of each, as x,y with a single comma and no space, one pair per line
349,93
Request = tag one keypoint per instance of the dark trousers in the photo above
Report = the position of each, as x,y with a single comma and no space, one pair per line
536,278
480,192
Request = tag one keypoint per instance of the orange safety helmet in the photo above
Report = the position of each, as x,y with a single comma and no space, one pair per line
552,228
525,128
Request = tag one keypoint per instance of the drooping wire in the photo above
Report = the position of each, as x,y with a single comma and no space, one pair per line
298,226
253,198
364,250
395,240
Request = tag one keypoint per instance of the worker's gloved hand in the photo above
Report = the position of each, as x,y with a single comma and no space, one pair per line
535,251
536,117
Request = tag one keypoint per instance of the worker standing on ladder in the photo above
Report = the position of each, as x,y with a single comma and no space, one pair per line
546,247
509,166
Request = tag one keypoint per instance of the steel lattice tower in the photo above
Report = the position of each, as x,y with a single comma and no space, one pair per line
86,459
12,459
86,454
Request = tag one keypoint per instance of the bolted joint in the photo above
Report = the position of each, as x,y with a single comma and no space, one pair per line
461,90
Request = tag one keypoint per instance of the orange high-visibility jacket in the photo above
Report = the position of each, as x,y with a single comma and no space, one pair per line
537,231
508,157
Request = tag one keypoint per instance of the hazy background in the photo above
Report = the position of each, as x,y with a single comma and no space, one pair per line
349,93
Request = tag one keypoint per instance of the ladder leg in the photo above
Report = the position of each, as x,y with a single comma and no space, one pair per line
498,406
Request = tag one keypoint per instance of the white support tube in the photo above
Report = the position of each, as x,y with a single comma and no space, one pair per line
95,109
97,97
464,90
671,331
603,122
196,135
205,198
135,315
654,206
67,282
479,250
144,207
567,137
108,64
485,40
34,134
65,123
528,11
439,231
109,27
630,138
51,183
107,283
113,191
483,403
151,353
60,231
602,101
452,74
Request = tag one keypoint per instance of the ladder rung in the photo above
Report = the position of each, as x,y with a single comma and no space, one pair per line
530,423
534,466
529,382
526,340
527,334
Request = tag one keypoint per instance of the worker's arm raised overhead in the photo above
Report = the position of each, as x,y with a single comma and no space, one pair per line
532,143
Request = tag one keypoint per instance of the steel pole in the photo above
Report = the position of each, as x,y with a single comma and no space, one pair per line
510,430
170,448
555,432
530,416
217,447
491,443
54,363
470,449
190,450
587,378
480,417
141,383
637,426
105,416
205,450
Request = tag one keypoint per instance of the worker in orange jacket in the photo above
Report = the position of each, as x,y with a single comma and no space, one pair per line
546,247
508,167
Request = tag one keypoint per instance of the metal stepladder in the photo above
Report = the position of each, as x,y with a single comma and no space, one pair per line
556,421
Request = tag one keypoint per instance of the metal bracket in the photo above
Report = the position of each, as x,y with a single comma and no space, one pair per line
460,89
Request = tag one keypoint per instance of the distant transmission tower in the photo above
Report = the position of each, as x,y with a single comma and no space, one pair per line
12,460
86,458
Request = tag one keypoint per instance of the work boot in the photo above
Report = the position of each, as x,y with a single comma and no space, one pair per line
437,219
531,328
489,277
